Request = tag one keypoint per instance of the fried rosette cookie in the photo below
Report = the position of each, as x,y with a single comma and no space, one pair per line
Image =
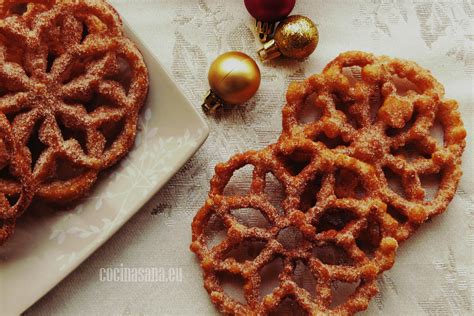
337,239
383,111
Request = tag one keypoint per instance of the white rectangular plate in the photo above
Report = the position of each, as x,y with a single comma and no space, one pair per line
45,248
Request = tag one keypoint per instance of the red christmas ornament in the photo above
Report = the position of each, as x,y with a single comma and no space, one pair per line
267,12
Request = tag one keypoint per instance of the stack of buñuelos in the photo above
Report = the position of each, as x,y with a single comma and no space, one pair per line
71,87
370,127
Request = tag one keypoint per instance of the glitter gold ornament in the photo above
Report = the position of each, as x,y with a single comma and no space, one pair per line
234,78
267,13
295,37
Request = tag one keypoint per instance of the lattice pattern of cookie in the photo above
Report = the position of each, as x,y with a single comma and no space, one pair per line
15,188
383,114
355,230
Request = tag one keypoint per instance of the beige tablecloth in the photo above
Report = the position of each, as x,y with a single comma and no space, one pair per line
434,272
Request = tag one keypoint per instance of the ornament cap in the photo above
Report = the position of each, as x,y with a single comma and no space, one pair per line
212,102
269,51
264,29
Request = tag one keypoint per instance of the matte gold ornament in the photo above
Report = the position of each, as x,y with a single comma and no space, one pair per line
234,78
295,37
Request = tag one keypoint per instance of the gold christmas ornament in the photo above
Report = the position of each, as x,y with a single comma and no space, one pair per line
295,37
234,78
